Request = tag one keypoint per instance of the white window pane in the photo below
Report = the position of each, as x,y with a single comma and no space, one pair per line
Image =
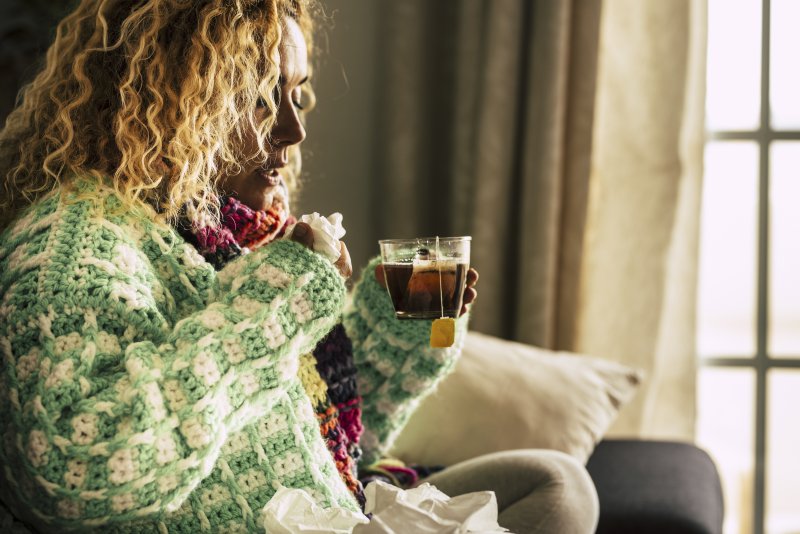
734,65
784,72
783,462
784,264
727,279
725,420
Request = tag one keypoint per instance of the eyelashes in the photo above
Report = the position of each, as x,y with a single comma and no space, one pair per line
262,103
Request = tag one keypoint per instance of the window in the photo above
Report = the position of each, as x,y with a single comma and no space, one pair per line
749,282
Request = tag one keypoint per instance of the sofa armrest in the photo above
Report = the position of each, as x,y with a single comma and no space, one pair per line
656,487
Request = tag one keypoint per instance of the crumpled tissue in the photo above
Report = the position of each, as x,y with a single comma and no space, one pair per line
429,510
293,511
327,233
422,510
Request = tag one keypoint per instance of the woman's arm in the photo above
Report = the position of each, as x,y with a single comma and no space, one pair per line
396,365
112,412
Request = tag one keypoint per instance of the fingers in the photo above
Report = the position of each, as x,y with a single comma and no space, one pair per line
472,277
470,293
303,234
344,264
380,277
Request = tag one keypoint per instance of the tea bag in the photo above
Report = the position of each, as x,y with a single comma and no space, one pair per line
443,333
432,281
424,277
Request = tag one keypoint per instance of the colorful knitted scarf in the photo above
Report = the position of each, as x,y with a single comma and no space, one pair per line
329,374
240,228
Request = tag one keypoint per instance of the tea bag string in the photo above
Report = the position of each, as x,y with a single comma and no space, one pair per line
439,265
443,329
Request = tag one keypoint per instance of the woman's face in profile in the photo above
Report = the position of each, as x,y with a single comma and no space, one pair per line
260,185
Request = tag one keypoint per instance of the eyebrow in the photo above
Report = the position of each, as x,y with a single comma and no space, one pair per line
282,81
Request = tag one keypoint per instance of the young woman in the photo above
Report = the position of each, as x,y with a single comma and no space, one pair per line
170,357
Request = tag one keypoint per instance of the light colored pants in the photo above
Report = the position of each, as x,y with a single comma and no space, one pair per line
538,491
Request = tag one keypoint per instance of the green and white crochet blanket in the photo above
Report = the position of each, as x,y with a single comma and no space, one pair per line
141,391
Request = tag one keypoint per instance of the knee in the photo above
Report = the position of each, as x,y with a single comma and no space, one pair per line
578,505
571,499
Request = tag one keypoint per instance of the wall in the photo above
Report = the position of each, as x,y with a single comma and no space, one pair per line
338,151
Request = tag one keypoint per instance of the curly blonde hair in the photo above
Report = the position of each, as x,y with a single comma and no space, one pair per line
151,94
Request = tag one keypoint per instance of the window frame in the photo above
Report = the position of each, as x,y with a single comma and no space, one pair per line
761,363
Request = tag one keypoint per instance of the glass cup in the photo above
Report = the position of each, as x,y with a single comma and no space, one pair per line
426,276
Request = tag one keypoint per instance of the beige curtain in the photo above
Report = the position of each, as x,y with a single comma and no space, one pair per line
486,117
566,137
639,274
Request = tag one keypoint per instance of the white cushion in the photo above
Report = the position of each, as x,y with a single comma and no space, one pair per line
504,395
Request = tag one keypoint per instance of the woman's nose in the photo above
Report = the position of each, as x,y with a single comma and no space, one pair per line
288,129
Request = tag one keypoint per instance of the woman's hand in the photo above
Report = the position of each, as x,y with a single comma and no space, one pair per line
304,235
470,293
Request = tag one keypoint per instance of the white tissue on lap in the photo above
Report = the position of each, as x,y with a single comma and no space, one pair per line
429,511
327,233
293,511
422,510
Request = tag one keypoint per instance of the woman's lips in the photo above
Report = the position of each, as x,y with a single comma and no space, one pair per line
271,176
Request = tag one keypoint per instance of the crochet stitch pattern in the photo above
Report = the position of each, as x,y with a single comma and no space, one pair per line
238,231
340,411
396,365
200,420
144,392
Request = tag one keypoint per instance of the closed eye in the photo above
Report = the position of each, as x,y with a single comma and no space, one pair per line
296,94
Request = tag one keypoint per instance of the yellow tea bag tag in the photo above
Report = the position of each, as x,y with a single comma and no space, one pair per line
443,333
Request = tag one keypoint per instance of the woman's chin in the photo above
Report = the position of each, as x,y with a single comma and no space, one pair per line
256,194
274,198
256,199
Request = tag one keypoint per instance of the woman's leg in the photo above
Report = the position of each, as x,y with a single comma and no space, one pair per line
538,491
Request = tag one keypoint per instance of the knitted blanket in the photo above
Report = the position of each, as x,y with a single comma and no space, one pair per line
142,391
329,374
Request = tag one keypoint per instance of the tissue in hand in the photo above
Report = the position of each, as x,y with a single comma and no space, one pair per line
327,233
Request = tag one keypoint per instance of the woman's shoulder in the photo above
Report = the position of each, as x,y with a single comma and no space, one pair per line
82,238
56,227
87,203
85,218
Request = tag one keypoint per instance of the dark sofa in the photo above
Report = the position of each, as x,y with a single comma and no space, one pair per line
656,487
